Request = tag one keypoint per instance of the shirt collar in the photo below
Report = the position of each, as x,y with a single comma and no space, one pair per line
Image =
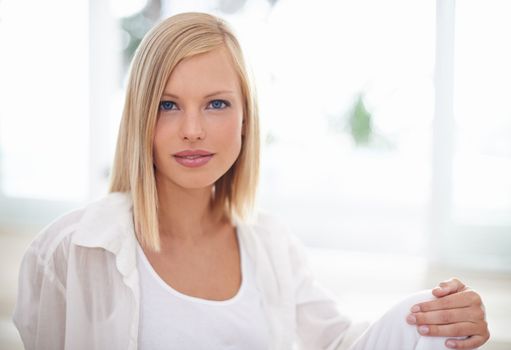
108,224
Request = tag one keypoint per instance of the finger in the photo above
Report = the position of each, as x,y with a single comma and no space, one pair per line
451,286
452,301
440,291
460,329
472,314
469,343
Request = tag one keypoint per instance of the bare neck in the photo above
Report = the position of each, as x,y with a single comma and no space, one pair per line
185,214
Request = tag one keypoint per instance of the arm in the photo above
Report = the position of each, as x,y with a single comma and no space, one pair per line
458,312
40,310
320,324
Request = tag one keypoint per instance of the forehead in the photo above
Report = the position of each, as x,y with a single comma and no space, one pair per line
204,73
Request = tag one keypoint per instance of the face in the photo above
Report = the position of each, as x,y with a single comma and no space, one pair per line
198,132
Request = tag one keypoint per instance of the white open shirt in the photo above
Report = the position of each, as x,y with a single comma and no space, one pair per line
79,284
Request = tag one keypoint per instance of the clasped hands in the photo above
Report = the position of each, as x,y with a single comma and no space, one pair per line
458,311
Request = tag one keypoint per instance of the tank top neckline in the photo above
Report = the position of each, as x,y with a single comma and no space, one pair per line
149,268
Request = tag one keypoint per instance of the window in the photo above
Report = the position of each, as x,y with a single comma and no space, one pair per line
347,104
482,86
44,112
476,232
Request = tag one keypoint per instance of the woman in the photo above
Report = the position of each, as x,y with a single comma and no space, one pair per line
171,258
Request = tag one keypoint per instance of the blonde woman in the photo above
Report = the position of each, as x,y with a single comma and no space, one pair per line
174,258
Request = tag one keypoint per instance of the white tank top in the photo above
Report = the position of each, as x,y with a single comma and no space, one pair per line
172,320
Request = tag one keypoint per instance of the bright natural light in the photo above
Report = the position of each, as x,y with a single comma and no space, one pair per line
385,134
44,65
310,76
482,168
347,106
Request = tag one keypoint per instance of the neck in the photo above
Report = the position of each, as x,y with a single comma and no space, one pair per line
184,214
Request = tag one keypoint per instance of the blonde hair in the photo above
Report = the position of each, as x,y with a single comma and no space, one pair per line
162,49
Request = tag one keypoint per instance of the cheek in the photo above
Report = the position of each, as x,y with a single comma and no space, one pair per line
229,135
161,138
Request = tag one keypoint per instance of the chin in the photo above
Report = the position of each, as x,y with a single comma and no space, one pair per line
197,186
196,182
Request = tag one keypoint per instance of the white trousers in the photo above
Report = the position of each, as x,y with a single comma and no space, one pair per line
393,333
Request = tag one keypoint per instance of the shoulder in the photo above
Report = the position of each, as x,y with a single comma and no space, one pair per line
58,234
55,234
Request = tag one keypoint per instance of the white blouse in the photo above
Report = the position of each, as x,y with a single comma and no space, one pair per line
79,285
171,320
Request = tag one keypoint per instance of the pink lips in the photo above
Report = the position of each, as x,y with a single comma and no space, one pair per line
193,158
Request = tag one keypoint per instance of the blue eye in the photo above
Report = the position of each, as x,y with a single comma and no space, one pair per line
167,105
219,104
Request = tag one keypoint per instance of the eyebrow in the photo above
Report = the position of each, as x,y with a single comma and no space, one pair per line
168,94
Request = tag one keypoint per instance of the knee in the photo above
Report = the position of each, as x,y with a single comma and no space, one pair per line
403,307
392,332
398,313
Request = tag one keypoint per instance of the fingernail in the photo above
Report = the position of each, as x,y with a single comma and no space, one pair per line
450,344
415,308
411,319
441,289
423,329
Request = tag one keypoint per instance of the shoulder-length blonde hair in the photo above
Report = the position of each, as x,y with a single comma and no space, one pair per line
168,43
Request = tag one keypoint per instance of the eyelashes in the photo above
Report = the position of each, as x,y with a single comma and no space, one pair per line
219,104
166,105
214,104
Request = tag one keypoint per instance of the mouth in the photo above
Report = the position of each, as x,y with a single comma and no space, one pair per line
193,161
194,156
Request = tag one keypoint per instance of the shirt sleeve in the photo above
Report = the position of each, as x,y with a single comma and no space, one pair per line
40,311
320,324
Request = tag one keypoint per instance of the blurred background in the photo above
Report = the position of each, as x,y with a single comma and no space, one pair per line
386,133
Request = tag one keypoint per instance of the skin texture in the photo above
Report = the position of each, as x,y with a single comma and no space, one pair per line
458,311
194,123
201,108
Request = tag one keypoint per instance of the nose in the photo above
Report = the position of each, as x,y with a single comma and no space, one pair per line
192,128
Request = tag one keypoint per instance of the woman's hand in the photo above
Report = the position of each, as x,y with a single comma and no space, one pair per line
458,312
